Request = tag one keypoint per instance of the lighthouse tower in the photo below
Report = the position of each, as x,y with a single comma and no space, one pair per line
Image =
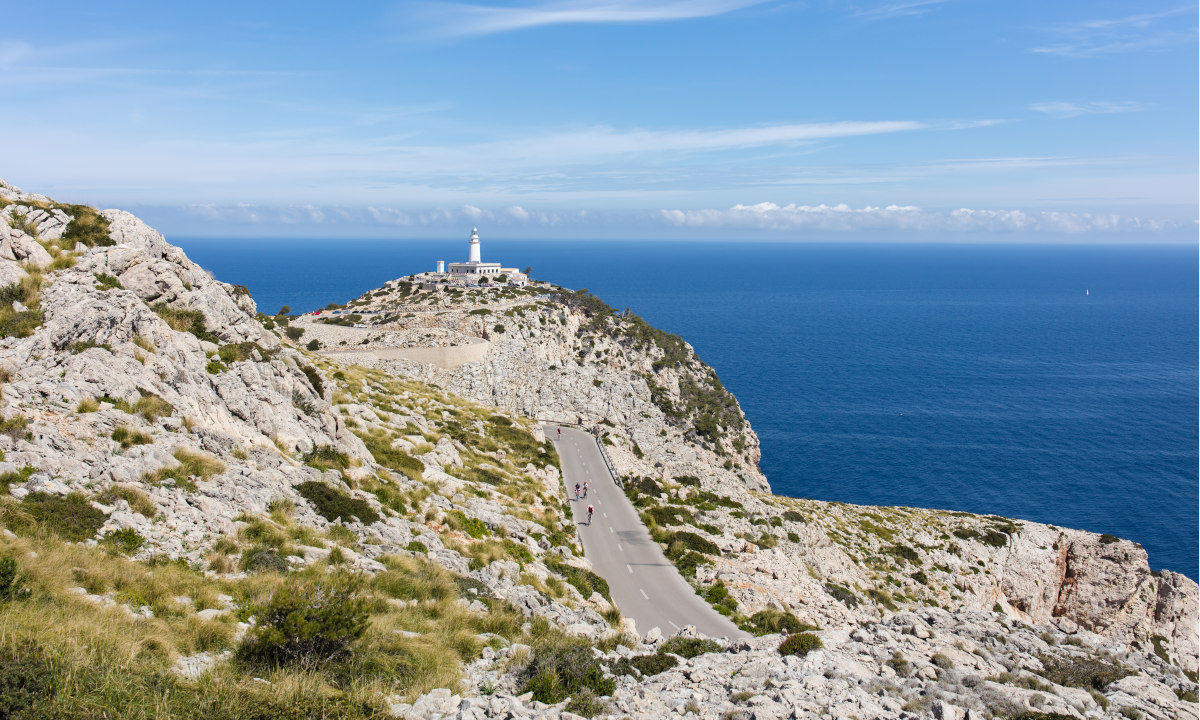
473,247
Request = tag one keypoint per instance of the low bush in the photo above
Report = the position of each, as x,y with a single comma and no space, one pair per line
105,281
87,227
687,647
333,504
770,621
560,667
184,320
306,624
125,540
294,333
800,644
326,457
1090,673
644,665
314,379
71,517
692,541
264,559
26,682
841,594
718,596
585,581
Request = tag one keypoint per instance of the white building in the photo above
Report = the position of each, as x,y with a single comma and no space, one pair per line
474,268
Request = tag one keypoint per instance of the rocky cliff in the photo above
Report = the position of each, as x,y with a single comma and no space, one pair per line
176,465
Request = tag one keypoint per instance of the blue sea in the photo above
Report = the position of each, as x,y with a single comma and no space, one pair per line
1055,383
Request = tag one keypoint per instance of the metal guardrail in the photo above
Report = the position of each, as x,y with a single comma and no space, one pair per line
612,471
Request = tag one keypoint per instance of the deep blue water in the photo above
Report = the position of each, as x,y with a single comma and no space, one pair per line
969,377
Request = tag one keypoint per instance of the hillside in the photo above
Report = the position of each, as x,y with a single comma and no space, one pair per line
212,512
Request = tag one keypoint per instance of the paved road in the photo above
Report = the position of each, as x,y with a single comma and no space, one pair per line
643,583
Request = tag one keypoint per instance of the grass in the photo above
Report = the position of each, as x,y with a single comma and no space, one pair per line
192,467
184,320
75,659
379,443
128,437
138,501
326,457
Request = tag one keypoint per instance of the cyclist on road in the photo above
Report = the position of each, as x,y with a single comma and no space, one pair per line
590,509
576,491
560,433
585,488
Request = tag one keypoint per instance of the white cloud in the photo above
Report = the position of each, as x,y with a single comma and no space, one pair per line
903,8
460,19
1144,31
1065,109
770,216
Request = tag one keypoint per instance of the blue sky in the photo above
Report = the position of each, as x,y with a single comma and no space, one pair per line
613,118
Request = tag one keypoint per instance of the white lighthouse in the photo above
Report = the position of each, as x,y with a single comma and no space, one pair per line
475,270
473,247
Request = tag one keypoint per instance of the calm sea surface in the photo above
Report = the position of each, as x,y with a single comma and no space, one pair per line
971,377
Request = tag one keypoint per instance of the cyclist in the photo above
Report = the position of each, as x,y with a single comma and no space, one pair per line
585,488
576,491
560,433
590,509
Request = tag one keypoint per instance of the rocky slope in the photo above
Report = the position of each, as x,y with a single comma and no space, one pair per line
174,461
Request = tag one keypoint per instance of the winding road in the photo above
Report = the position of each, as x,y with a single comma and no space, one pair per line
644,585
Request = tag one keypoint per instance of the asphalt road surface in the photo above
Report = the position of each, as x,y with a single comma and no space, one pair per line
644,585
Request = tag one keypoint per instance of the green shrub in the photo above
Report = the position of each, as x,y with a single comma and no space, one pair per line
800,644
306,624
1089,673
264,559
125,540
585,581
16,427
841,594
416,546
770,621
12,586
314,379
26,682
240,352
14,478
333,504
904,553
793,516
326,457
107,282
294,333
87,226
71,517
183,320
559,667
687,647
644,665
1107,539
718,596
692,541
669,515
18,324
313,345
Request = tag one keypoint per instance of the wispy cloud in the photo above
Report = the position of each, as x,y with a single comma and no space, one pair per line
770,216
1066,109
903,8
462,20
1144,31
